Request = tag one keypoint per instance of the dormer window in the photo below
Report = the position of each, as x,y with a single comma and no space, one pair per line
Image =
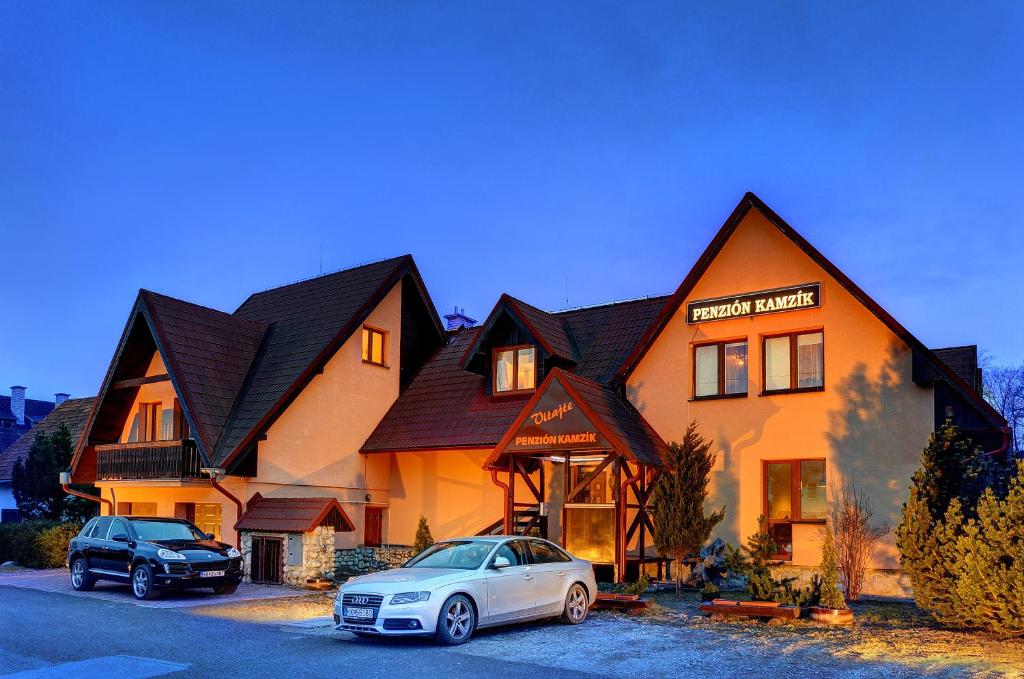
515,369
373,346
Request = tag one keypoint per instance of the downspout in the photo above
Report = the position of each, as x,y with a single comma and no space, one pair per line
65,479
238,504
506,529
1002,449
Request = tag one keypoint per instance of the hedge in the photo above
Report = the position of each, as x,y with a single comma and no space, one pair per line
36,544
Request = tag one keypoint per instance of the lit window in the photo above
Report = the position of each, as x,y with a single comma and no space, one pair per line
515,369
373,346
794,362
720,369
794,491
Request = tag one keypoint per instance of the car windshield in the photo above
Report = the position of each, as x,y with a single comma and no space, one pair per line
462,554
166,530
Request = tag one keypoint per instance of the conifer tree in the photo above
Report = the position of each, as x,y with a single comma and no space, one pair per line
677,502
830,595
34,480
423,537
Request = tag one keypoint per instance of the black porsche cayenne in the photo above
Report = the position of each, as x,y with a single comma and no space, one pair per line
152,554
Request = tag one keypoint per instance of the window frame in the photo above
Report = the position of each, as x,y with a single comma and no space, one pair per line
720,345
796,515
794,375
515,349
371,331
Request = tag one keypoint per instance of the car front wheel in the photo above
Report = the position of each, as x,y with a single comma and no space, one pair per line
576,605
81,579
142,583
456,622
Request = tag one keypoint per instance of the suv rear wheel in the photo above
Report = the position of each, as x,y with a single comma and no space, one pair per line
81,579
142,583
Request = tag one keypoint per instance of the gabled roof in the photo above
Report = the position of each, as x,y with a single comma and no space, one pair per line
446,406
293,514
964,362
549,330
309,321
614,417
752,202
208,353
35,409
72,413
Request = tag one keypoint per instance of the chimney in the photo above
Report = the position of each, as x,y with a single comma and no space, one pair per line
458,319
18,403
60,397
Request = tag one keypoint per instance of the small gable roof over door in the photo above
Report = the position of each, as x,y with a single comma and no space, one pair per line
293,514
569,412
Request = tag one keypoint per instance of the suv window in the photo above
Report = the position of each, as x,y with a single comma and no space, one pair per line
99,532
87,529
545,553
118,527
514,551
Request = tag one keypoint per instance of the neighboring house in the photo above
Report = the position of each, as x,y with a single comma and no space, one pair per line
71,412
19,414
340,411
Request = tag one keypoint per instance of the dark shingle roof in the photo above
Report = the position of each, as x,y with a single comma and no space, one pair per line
306,321
35,409
963,361
446,406
74,412
293,514
209,353
551,330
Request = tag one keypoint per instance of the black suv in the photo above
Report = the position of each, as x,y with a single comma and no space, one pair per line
152,554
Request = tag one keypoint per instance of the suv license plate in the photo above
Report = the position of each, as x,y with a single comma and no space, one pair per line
211,574
361,613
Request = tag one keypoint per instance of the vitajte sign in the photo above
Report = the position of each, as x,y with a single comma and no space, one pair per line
807,296
556,423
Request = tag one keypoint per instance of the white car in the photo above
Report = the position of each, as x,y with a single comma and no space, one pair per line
452,588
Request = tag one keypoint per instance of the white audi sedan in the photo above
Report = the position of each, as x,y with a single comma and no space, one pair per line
454,587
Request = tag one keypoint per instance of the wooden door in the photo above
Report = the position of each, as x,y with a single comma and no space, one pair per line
267,565
373,530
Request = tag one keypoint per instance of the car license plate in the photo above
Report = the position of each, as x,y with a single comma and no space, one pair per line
361,613
211,574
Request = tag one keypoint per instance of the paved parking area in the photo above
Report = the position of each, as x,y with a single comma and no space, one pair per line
59,580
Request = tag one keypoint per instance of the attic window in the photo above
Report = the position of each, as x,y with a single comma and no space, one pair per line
373,346
515,369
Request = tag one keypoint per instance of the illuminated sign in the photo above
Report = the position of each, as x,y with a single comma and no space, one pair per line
557,424
807,296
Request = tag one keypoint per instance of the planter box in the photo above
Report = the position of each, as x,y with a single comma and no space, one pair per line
832,616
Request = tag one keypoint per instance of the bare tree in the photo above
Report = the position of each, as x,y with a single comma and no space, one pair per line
1004,389
855,536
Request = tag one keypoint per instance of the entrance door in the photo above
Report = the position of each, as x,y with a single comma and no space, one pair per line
373,528
266,563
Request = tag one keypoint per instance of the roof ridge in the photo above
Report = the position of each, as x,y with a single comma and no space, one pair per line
147,293
600,305
322,275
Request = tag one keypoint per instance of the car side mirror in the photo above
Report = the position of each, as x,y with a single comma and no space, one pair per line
120,537
501,562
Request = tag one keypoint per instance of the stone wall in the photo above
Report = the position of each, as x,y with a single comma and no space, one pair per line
370,559
877,581
317,555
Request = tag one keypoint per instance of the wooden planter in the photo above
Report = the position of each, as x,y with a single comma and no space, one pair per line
832,616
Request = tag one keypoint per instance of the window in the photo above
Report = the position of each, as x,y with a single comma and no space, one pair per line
147,425
99,531
514,551
794,362
794,492
515,369
119,527
545,553
136,508
373,346
720,369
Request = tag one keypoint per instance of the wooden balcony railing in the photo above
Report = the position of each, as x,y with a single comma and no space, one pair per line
149,460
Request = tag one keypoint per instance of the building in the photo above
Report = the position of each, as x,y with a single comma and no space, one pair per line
18,414
343,401
70,412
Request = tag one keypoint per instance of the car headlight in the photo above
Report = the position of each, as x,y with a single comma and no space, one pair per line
409,597
169,555
234,553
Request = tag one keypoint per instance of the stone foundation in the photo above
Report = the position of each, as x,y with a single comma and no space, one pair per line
370,559
317,555
877,582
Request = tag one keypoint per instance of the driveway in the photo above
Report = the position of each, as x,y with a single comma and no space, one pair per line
58,580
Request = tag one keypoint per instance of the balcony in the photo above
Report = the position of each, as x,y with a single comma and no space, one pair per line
150,460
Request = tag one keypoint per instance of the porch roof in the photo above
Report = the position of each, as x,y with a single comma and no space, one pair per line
293,514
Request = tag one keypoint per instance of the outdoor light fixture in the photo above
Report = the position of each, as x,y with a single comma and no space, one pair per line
65,478
213,472
367,498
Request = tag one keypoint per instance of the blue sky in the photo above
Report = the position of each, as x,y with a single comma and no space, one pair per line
574,151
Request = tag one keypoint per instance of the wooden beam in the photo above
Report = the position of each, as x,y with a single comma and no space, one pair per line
139,381
526,477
